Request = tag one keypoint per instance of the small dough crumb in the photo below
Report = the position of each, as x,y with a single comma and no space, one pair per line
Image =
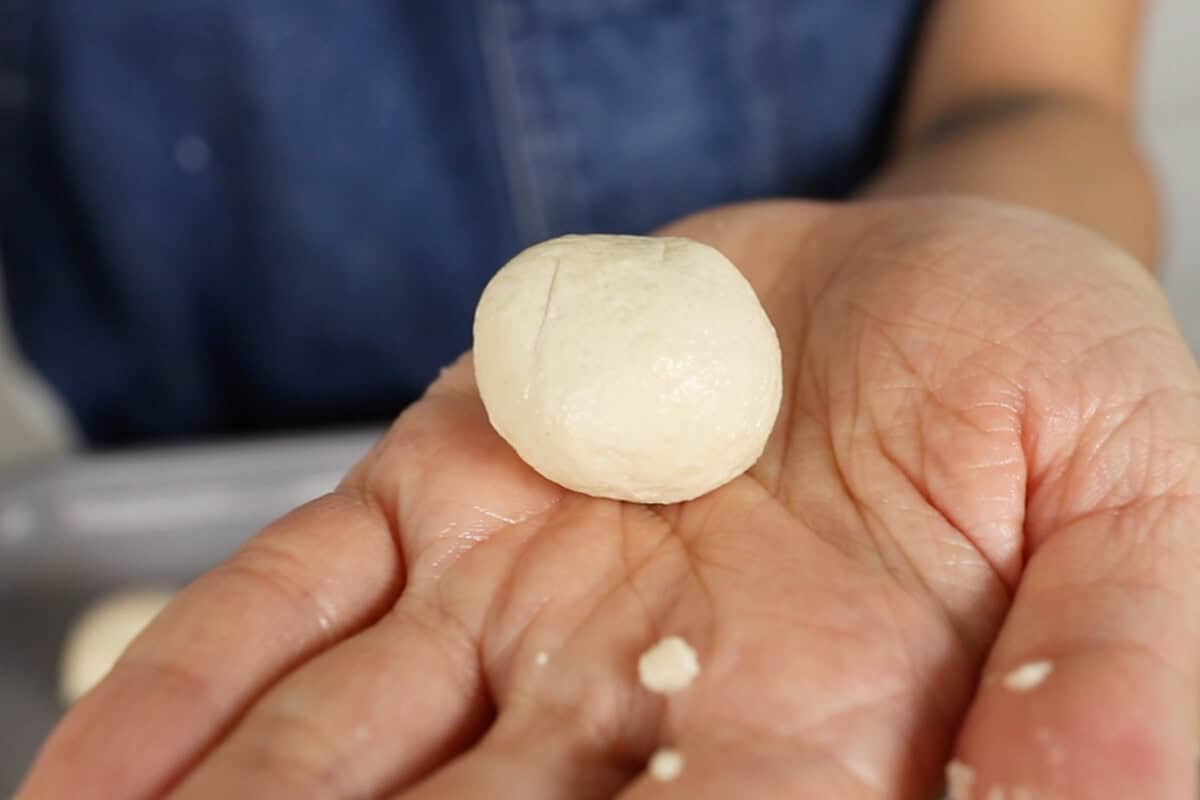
669,666
542,658
1028,676
960,780
666,764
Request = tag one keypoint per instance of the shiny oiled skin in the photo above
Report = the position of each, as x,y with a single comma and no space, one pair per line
987,454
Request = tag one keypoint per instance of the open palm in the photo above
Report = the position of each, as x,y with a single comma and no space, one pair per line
987,454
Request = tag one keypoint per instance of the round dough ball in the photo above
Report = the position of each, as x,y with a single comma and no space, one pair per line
101,634
630,367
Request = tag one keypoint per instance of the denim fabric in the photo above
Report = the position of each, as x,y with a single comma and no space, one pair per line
222,215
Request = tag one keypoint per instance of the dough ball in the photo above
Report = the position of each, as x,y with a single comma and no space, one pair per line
101,634
669,666
629,367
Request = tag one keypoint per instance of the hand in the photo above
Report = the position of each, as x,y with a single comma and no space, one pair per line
988,454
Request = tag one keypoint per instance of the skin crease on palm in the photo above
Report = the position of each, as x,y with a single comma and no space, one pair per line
988,453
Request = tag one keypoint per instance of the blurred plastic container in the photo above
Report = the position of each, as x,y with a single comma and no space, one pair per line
79,528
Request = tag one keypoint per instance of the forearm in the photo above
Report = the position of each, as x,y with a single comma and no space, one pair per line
1069,158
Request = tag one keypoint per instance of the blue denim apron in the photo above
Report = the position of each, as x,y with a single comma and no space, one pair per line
224,215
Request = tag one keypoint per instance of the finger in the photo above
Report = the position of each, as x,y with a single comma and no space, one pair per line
451,479
308,580
377,711
450,482
550,764
1104,631
573,720
743,763
571,738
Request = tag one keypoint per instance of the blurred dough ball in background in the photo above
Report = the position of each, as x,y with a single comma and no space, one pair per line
101,634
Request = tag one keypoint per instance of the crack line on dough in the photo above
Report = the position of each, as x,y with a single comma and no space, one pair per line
537,339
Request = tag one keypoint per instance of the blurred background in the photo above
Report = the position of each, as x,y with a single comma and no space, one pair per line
1171,131
74,525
